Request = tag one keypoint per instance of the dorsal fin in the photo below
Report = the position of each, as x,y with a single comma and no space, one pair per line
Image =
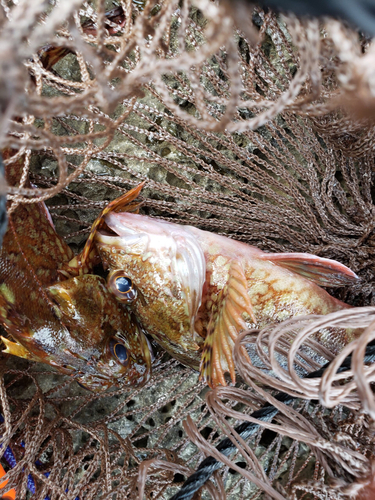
88,258
323,272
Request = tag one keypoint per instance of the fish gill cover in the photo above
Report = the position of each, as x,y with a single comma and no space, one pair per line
259,130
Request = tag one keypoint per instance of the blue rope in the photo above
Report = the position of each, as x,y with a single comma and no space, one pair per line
12,462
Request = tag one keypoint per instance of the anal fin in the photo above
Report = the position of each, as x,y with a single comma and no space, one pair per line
323,272
225,324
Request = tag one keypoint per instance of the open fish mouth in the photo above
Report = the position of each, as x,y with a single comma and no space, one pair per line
126,230
106,237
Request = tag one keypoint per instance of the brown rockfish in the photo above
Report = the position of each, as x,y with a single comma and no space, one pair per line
194,291
76,324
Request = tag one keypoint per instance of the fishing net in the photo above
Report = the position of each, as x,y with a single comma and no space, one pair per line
244,123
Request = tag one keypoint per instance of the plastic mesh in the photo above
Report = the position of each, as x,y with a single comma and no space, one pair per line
245,131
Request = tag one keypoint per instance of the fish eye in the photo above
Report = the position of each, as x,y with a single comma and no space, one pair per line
121,286
119,351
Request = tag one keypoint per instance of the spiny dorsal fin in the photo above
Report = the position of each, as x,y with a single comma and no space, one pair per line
225,324
84,262
323,272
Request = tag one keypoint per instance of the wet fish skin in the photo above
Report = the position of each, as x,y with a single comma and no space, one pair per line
198,290
72,324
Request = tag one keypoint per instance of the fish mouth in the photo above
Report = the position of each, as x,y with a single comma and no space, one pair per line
139,374
104,237
119,234
150,349
93,383
125,229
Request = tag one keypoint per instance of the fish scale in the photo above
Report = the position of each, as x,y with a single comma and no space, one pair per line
71,323
197,290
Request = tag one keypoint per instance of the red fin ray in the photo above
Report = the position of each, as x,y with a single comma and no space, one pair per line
225,324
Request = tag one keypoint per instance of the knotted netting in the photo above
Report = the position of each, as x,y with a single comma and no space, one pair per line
244,123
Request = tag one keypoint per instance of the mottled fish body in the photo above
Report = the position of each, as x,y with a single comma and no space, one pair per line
75,324
194,291
197,290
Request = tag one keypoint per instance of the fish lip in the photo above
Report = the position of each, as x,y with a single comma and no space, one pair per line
118,241
143,332
93,383
120,229
148,353
106,239
152,354
131,227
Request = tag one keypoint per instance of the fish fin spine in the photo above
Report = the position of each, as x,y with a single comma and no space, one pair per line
16,349
225,324
84,262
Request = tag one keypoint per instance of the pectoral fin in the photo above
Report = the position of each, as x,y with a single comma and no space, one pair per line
225,324
17,349
15,324
323,272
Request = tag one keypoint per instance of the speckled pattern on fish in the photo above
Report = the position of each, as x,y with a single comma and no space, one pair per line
75,324
198,290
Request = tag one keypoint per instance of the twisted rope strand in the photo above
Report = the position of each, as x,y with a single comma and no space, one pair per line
247,429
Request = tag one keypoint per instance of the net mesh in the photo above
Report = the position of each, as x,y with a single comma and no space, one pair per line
259,130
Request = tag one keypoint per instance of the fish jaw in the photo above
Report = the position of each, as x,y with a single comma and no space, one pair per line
168,267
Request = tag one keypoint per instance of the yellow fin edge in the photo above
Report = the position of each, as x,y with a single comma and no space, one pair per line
16,349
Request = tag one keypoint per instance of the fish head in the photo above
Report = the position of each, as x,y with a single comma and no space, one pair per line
104,344
165,270
76,325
